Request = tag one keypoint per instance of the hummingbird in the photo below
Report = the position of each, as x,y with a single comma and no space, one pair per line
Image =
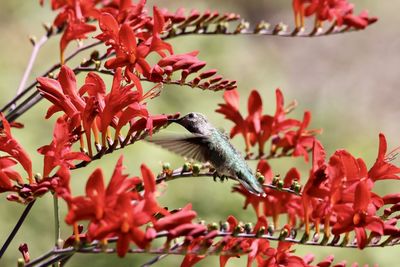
208,144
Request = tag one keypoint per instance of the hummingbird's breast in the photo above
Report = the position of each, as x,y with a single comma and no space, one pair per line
224,157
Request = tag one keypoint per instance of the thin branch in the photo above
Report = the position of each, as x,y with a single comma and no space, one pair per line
57,231
16,228
40,258
178,173
261,29
31,62
53,68
162,256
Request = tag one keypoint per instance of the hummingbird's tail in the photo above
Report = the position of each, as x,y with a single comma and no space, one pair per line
251,184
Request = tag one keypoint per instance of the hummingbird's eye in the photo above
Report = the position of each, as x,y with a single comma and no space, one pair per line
191,115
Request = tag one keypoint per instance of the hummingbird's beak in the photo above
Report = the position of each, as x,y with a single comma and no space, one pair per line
175,120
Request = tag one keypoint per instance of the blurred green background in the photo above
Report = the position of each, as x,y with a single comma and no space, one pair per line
349,82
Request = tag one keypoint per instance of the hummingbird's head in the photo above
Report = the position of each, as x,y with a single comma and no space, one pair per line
194,122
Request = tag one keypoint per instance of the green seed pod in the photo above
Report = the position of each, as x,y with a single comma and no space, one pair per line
276,179
248,227
212,226
223,226
186,167
280,184
196,169
166,166
260,231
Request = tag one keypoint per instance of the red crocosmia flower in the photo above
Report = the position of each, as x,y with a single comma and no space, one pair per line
59,152
338,11
282,256
131,53
11,146
318,176
7,175
382,169
63,94
73,17
298,9
149,182
117,210
117,100
93,205
254,107
359,216
299,141
76,29
231,112
157,44
257,128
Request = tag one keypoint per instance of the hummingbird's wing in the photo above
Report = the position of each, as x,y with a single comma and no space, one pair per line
190,146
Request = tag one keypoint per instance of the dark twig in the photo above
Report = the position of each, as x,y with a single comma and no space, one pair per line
16,228
160,257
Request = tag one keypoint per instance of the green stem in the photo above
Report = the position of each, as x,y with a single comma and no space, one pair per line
57,232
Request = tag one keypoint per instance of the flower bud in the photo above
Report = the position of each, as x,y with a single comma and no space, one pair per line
187,167
296,186
260,177
280,184
223,226
283,234
260,231
248,227
166,166
212,227
23,248
276,179
196,169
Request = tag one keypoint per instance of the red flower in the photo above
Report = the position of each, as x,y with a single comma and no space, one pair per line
359,217
382,169
338,11
117,210
63,94
11,146
299,141
59,153
93,109
231,112
257,128
7,175
73,17
131,53
76,28
282,256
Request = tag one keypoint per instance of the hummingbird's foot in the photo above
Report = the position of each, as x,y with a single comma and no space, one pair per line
221,178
